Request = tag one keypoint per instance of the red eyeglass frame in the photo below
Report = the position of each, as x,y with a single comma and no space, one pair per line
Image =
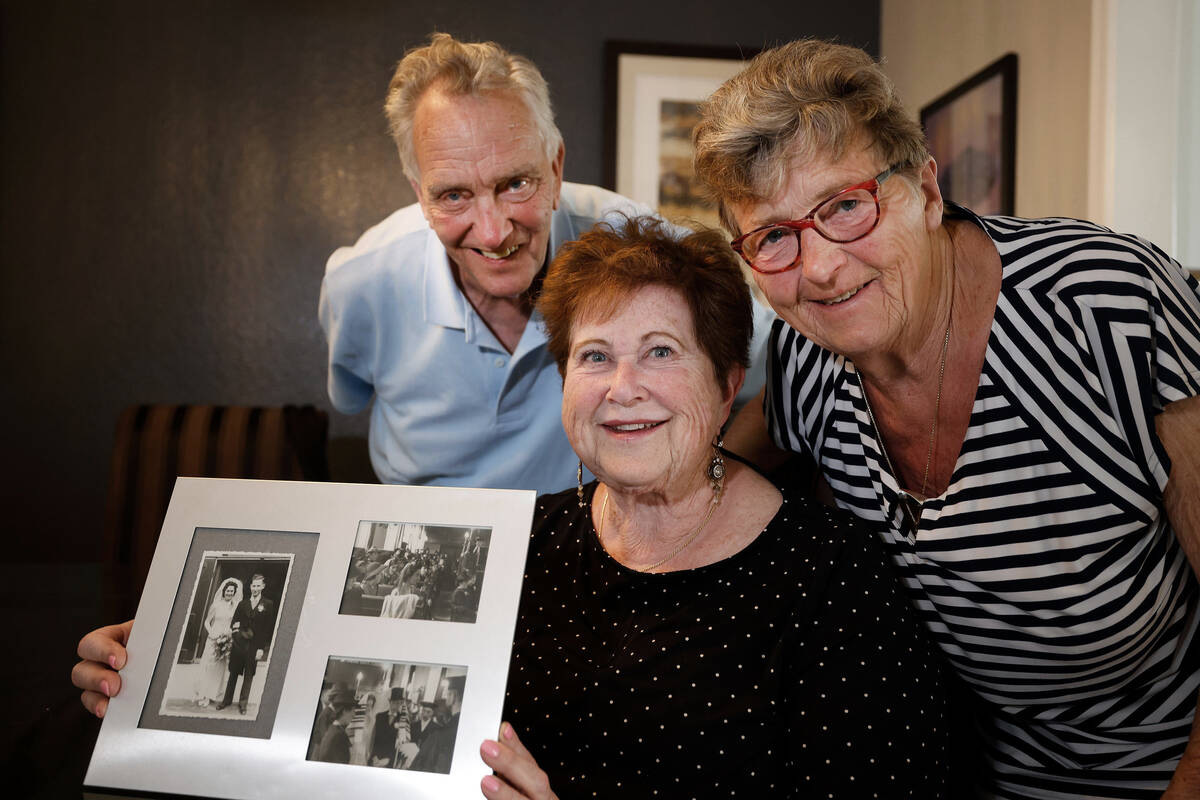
809,221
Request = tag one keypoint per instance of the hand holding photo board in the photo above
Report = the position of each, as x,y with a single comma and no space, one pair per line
318,639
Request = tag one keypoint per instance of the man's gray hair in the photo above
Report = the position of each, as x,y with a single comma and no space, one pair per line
464,68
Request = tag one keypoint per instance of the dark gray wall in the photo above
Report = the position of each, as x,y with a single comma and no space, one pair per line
174,178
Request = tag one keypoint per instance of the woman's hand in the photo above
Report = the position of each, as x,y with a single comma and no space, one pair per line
103,653
517,773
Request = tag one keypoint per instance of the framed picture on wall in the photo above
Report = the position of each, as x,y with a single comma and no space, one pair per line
972,134
653,92
293,638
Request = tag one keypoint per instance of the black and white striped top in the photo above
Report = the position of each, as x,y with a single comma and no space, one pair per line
1048,571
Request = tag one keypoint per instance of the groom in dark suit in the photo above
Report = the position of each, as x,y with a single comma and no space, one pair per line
253,624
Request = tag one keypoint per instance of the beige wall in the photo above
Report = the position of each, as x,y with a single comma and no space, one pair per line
929,46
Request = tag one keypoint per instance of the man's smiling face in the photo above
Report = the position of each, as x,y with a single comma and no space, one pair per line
486,187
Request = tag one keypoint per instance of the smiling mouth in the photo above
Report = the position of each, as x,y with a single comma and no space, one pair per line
632,426
499,253
841,298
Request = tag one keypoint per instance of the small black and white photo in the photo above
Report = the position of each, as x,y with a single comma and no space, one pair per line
389,715
226,642
412,570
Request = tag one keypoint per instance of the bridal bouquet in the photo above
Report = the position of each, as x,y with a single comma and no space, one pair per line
222,645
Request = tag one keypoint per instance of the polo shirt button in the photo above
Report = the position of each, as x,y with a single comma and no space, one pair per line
499,362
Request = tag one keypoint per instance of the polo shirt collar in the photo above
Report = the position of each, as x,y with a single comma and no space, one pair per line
444,303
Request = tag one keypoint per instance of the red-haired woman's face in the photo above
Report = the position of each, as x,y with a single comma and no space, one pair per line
641,401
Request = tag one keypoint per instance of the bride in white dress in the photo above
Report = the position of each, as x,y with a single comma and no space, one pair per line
210,683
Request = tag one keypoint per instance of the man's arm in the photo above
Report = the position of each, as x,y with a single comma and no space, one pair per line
265,628
350,334
1178,429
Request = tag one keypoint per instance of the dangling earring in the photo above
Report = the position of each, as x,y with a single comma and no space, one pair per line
579,480
716,469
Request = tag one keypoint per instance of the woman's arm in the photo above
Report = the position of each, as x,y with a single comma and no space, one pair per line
1178,429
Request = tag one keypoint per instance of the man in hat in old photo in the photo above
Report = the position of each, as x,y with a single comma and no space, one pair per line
325,717
390,726
437,751
424,725
335,743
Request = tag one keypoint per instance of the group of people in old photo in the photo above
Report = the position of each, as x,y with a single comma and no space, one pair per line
385,725
416,571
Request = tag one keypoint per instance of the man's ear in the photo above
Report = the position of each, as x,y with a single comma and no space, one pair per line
556,166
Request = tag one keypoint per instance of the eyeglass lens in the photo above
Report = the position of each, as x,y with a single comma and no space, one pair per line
842,218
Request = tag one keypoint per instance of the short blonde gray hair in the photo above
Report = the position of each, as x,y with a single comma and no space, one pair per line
464,68
794,102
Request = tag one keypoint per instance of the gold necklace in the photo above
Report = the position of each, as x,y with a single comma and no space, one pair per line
914,510
937,407
718,488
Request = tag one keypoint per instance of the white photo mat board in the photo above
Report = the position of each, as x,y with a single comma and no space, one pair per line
128,757
644,83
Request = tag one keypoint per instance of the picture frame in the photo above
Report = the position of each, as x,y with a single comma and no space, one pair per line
272,579
972,135
652,92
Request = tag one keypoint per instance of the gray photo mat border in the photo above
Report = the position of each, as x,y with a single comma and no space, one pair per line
301,546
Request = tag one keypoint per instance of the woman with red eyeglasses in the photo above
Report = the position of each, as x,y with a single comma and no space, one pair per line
1013,404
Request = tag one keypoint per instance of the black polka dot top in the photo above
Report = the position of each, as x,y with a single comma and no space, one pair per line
793,668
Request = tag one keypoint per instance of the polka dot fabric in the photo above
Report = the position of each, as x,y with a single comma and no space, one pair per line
793,668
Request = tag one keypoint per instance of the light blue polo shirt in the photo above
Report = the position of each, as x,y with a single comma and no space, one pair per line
452,406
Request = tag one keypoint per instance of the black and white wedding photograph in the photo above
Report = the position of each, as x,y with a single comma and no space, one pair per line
226,641
388,715
225,647
411,570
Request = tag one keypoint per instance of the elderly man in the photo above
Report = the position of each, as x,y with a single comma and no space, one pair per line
431,312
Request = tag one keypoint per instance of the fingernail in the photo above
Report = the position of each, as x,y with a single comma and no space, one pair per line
104,688
101,707
490,783
507,732
112,661
491,749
